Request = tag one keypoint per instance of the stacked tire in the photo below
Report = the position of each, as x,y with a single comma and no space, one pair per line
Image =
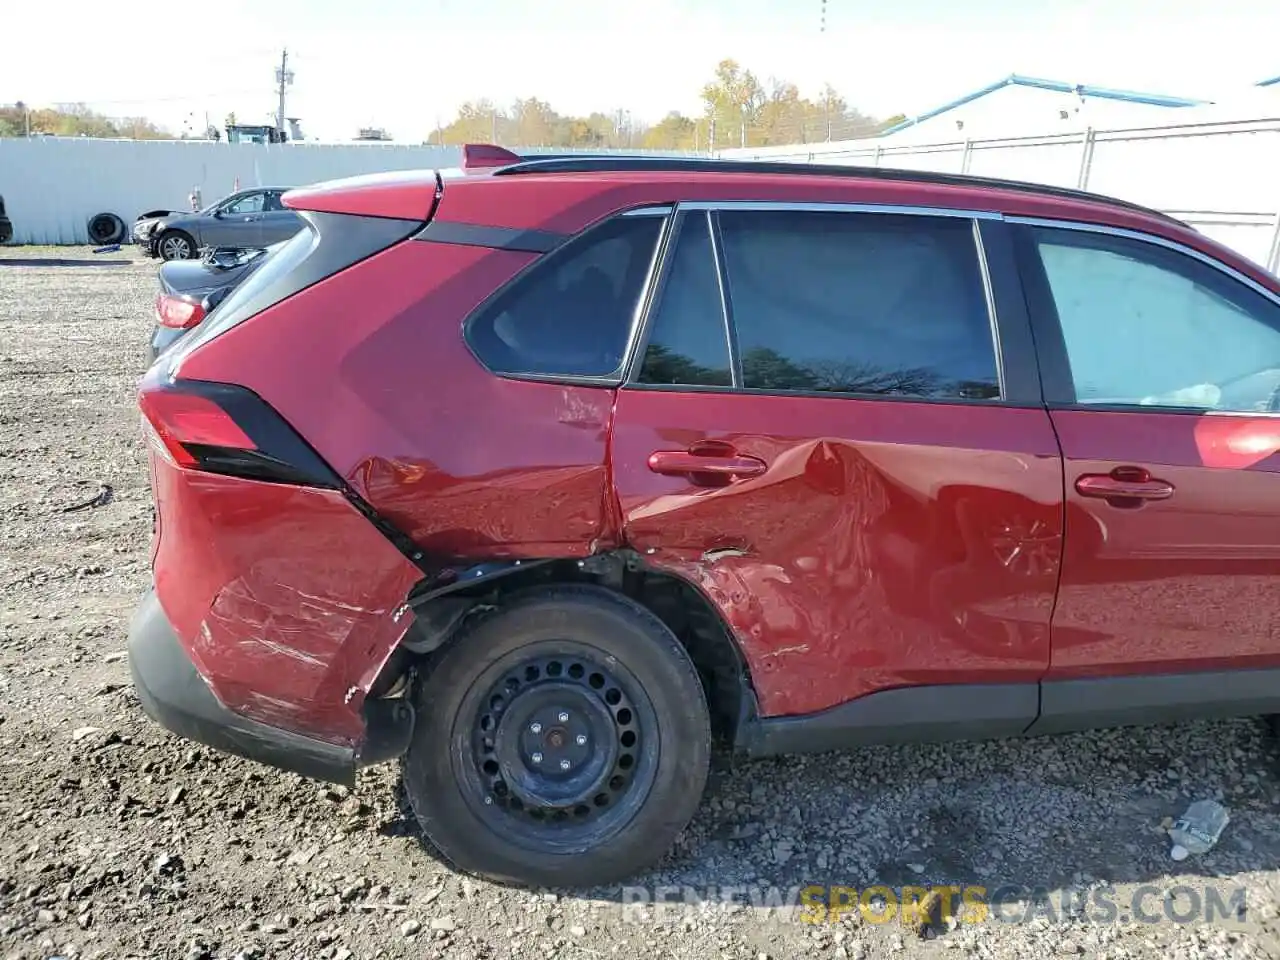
105,229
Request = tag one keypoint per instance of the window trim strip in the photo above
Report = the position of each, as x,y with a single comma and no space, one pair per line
807,206
993,319
726,298
496,238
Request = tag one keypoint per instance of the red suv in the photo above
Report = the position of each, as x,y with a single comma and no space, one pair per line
535,473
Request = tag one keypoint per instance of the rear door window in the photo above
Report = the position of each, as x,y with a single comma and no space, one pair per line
888,305
571,313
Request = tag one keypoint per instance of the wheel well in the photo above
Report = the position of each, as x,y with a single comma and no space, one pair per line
686,612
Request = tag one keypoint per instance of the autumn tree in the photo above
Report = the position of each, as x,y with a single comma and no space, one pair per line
477,122
74,120
675,131
533,123
782,117
733,101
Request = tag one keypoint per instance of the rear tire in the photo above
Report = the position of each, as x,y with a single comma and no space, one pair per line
563,740
176,245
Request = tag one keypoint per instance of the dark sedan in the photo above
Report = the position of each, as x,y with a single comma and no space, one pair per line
190,290
248,219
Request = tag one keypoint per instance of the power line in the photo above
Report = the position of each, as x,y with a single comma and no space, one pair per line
182,99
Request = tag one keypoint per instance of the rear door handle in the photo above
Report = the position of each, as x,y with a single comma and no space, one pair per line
682,463
1124,484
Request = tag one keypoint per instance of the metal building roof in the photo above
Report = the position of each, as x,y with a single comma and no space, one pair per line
1084,90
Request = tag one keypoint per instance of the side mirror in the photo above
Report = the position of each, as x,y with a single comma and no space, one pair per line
219,213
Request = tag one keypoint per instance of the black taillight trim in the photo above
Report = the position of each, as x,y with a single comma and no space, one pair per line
252,465
281,454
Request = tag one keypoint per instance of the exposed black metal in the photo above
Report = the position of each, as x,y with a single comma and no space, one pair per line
388,726
453,579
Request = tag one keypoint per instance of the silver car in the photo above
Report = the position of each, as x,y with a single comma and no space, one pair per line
249,218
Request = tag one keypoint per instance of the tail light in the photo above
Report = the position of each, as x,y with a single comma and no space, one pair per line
227,429
178,312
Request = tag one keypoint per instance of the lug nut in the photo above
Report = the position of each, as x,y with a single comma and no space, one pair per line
564,764
535,728
581,740
564,718
536,758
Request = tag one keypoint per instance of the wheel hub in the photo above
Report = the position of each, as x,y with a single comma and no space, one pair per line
555,740
555,745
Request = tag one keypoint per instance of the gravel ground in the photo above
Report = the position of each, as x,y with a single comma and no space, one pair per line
117,840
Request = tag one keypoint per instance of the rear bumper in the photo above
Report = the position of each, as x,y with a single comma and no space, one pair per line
175,695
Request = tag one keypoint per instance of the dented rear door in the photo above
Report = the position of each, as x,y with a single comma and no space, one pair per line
816,433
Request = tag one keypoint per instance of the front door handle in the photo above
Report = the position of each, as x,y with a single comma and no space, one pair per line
683,463
1123,486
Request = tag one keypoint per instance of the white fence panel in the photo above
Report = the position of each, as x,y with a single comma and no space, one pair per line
53,185
1051,160
1211,167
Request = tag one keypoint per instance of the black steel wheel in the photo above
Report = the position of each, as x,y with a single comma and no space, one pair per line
556,751
563,739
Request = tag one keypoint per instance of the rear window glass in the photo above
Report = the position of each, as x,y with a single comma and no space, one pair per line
571,313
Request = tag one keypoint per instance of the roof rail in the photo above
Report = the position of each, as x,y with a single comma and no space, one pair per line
645,164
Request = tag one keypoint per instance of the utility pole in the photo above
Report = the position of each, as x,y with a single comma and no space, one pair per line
284,77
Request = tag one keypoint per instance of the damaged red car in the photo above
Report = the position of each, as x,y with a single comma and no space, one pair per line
535,474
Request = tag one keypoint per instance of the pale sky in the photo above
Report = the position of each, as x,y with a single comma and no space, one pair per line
404,64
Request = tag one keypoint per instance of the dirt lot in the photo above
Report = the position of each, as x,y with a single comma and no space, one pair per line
117,840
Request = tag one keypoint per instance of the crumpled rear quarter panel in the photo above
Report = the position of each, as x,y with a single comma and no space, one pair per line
285,597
